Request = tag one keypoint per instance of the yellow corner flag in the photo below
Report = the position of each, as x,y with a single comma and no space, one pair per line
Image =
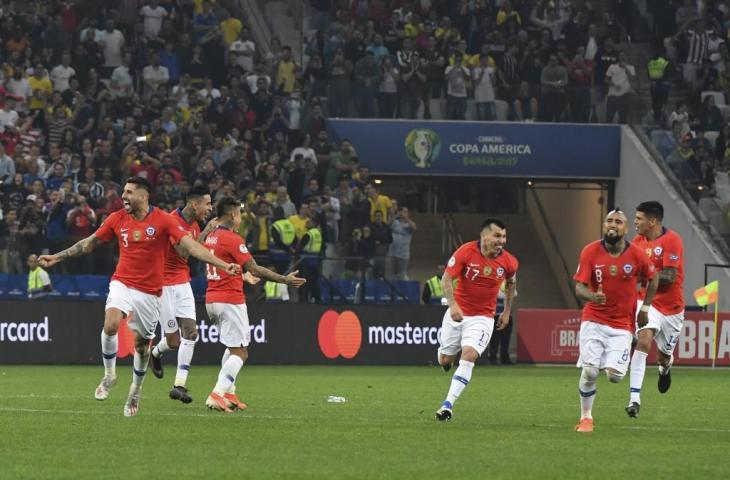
707,294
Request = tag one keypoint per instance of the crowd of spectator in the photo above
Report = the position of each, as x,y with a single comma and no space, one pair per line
92,93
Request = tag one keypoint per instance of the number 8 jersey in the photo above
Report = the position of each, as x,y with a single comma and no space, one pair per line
479,278
229,247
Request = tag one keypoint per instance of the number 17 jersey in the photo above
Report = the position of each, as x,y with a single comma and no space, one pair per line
229,247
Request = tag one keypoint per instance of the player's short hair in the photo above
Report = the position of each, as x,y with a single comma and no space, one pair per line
225,205
141,183
494,221
198,191
651,209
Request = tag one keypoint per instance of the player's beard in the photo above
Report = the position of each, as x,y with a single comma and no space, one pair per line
612,240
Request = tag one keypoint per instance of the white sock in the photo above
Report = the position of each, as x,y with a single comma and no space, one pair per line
228,374
459,381
226,355
160,348
184,356
663,370
587,390
636,379
140,367
109,349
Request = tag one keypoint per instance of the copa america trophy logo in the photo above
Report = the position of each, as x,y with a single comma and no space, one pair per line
422,147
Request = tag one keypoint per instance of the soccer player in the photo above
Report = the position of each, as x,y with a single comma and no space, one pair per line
664,249
225,300
479,268
177,315
143,233
606,281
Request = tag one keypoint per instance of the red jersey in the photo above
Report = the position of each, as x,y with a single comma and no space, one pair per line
665,252
176,267
479,278
142,247
229,247
618,276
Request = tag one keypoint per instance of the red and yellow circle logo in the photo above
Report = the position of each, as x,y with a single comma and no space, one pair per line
339,334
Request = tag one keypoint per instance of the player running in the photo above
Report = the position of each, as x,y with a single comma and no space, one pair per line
664,249
143,233
606,281
225,300
479,268
177,315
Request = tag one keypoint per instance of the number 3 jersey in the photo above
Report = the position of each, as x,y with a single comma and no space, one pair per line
479,278
142,247
618,277
229,247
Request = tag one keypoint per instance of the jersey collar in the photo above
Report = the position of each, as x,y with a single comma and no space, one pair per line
179,212
626,246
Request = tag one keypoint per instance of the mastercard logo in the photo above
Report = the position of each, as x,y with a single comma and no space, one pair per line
339,334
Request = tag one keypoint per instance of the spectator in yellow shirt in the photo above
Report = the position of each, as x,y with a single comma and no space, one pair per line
506,12
231,27
300,220
286,71
40,87
378,203
414,27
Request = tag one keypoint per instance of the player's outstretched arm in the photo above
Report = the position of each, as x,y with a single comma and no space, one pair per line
203,254
82,247
447,284
262,272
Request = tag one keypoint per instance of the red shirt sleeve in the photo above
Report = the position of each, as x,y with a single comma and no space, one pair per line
105,232
173,228
647,266
512,270
238,250
456,263
584,274
672,252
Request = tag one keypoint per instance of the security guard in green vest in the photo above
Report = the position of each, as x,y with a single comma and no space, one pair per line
657,69
310,249
282,236
39,283
276,292
433,292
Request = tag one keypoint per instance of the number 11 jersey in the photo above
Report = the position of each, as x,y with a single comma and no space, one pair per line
229,247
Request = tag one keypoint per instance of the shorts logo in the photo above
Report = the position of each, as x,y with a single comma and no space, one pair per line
339,334
658,251
487,271
500,272
171,323
628,268
137,235
613,270
452,262
150,231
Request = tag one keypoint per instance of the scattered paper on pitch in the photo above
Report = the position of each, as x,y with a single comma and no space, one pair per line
336,399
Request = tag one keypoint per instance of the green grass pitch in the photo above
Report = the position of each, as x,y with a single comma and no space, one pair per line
511,422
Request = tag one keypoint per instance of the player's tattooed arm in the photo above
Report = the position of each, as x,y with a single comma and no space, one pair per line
447,284
212,225
82,247
182,251
203,254
262,272
510,292
667,276
587,295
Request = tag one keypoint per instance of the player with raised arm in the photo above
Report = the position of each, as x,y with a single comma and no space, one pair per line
664,249
143,233
606,279
225,300
479,268
177,315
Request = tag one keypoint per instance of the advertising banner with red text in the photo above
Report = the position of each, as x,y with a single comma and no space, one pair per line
552,336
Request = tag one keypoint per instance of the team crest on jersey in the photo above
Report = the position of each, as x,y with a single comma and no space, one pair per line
658,251
137,235
500,272
487,271
150,231
613,270
628,268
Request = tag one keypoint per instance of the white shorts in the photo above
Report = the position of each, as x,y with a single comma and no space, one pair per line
667,328
232,320
178,301
602,346
144,307
473,332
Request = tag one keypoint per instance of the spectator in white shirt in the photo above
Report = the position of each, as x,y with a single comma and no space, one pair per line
259,72
618,78
152,15
245,50
61,74
484,80
8,115
122,82
18,85
111,41
154,76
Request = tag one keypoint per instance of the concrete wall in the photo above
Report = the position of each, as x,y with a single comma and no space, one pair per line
642,180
